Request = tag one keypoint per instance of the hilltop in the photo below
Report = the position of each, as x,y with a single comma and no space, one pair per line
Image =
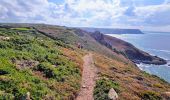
39,61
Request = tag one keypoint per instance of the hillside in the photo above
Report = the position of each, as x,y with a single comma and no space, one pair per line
113,30
133,53
39,61
33,63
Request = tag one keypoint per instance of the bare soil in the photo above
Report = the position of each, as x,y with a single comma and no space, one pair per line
89,76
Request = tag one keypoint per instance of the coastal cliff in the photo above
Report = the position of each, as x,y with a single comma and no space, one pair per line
133,53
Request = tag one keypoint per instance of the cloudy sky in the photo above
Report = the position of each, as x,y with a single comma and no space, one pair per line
143,14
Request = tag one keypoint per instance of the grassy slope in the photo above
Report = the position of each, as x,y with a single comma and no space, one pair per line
56,76
73,36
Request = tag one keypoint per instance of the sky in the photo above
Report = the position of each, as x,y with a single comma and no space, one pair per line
153,15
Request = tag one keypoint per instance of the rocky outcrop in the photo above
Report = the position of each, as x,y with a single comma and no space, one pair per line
112,94
134,54
100,38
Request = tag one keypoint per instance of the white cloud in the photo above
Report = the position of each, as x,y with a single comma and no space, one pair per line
21,10
156,15
98,13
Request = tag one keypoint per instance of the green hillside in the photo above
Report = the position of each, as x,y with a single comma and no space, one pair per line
32,62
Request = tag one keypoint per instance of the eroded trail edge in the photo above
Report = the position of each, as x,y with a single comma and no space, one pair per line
89,76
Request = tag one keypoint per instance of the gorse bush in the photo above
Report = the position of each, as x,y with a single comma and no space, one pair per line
47,69
150,95
59,72
102,88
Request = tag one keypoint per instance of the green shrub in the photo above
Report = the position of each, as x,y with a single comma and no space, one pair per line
102,88
19,92
47,69
59,72
5,45
22,28
6,96
150,95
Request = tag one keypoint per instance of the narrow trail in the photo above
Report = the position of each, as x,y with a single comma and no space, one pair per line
88,79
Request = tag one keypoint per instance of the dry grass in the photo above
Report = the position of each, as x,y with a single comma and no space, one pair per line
75,56
132,81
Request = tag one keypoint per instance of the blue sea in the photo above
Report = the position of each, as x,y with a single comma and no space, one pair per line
155,43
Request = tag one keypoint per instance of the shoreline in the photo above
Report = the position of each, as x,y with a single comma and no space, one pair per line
153,69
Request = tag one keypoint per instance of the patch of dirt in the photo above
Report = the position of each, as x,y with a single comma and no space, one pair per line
23,64
89,77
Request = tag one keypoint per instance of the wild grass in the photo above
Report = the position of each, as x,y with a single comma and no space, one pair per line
21,28
54,67
133,83
151,95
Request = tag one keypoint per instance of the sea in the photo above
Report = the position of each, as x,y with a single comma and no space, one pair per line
155,43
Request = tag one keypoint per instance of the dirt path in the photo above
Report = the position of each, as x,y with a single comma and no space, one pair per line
88,79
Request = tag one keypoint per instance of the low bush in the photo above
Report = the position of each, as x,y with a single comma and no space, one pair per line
102,88
47,69
6,96
150,95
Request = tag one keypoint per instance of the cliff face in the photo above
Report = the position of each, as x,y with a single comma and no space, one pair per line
133,53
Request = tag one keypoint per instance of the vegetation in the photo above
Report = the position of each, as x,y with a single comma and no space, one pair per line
55,76
22,28
120,52
133,84
47,64
150,95
102,88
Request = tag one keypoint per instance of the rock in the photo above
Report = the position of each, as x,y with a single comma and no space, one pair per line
84,86
166,95
112,94
28,96
4,38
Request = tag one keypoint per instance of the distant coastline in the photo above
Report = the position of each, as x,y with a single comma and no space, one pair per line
112,30
155,32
